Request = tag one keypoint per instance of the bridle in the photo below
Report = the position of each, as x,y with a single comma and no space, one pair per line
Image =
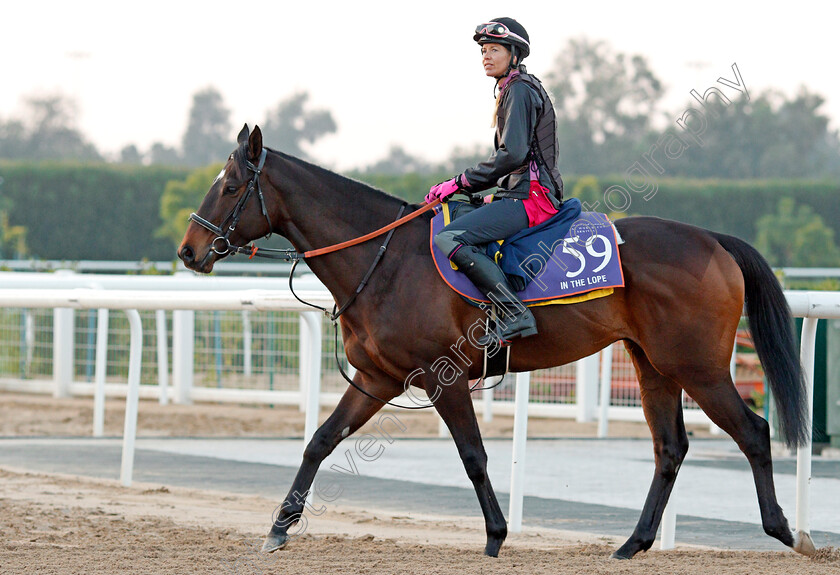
289,255
223,235
222,246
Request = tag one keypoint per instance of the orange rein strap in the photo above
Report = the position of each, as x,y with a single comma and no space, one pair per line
371,235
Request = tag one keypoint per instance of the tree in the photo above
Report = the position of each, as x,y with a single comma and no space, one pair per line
208,135
764,136
12,238
796,236
14,142
290,125
54,135
588,191
398,162
604,102
814,245
161,154
131,155
49,135
462,158
182,197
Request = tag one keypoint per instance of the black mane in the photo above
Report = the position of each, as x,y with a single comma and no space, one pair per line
333,179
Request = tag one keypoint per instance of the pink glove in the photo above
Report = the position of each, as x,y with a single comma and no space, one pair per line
443,190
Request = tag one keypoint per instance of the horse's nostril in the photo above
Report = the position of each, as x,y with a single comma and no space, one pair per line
187,254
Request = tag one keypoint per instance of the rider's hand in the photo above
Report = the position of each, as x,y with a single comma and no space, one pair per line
445,189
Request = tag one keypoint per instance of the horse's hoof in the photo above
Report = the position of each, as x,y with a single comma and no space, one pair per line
274,542
626,551
802,543
492,548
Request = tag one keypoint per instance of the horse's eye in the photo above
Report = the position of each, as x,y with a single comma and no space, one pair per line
230,190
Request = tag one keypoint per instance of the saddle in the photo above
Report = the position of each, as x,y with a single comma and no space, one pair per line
570,258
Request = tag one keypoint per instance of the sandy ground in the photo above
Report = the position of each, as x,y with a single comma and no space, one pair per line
41,415
69,525
56,524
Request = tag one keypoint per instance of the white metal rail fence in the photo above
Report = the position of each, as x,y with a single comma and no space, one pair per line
809,305
231,349
238,355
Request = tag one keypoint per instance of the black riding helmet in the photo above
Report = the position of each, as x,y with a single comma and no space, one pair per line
508,32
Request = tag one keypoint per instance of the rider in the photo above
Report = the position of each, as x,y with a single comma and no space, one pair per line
523,166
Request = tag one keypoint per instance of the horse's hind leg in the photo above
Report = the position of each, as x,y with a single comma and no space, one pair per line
455,407
352,412
721,402
662,404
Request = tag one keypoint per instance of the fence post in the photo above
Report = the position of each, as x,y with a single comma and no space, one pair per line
586,388
606,390
310,323
520,437
63,320
247,338
487,397
183,351
24,345
668,529
29,338
803,454
304,359
443,430
131,396
162,357
63,346
100,372
91,345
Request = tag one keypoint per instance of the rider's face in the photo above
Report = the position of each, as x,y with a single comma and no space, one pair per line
495,58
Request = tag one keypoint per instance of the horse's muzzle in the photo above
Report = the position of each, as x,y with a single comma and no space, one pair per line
191,259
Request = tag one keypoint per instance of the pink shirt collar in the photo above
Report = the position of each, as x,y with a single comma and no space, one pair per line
507,80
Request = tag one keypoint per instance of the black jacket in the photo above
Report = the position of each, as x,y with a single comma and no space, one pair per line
524,111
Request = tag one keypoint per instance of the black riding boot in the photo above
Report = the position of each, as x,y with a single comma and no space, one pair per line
515,320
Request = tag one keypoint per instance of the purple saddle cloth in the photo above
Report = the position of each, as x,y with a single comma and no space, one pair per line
586,259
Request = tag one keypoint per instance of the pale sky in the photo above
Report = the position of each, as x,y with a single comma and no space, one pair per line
404,73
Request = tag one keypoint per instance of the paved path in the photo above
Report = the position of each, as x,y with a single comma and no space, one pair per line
597,486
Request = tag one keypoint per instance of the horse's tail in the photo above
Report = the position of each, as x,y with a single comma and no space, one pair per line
771,324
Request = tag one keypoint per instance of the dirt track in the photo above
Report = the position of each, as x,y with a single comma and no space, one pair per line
65,525
68,525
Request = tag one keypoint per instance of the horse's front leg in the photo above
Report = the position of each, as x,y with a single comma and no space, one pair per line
455,407
352,412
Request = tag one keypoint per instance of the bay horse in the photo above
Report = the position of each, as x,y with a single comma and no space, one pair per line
685,291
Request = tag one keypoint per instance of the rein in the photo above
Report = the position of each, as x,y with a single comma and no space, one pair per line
224,247
389,228
291,255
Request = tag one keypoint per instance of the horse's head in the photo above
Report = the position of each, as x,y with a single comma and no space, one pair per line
229,216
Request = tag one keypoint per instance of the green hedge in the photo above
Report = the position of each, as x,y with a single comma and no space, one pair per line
97,212
729,206
111,212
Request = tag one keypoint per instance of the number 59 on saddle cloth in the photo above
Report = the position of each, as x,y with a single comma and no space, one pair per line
584,264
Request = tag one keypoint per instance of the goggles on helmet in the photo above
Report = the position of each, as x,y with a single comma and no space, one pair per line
498,30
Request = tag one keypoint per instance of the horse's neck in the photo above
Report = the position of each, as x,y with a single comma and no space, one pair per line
325,209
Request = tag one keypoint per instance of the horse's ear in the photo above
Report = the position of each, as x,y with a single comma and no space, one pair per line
255,144
243,135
